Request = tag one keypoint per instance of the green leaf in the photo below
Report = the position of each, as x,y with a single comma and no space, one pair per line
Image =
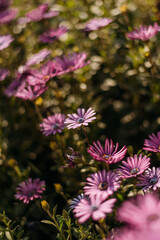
48,222
54,210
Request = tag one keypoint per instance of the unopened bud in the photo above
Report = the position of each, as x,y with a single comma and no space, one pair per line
45,205
58,188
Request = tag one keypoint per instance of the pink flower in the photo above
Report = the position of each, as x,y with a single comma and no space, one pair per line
107,154
76,200
38,57
29,190
134,166
82,118
144,33
102,183
5,41
151,179
27,92
94,207
96,23
41,76
142,212
53,124
51,34
38,14
3,73
153,143
70,63
8,15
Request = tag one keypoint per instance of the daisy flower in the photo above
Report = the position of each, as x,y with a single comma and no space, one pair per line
30,93
93,207
153,143
53,124
81,118
144,33
102,183
143,212
107,154
51,34
8,15
151,179
38,57
76,200
96,23
134,166
30,189
3,73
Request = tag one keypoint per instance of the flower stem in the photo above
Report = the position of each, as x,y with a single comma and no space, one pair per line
38,112
85,135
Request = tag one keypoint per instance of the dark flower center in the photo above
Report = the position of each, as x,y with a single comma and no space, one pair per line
134,171
55,126
103,186
152,217
106,157
153,180
31,192
80,120
94,208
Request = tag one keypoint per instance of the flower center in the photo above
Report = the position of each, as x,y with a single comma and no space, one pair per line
71,68
103,186
94,208
80,120
153,180
106,157
46,77
152,217
55,126
134,171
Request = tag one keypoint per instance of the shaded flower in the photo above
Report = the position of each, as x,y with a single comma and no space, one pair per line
53,124
28,92
8,15
143,212
74,158
76,200
30,189
3,73
153,143
5,41
4,4
151,179
41,76
134,166
70,63
144,33
82,118
38,14
51,34
93,207
38,57
107,154
102,183
96,23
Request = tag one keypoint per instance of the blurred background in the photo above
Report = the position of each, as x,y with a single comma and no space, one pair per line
121,84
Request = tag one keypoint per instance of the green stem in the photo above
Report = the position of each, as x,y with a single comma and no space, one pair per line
85,134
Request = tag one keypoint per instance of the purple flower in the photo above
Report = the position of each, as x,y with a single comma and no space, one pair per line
27,92
70,63
153,143
151,179
82,118
76,200
144,33
102,183
8,15
134,166
29,190
143,212
74,158
94,207
3,73
41,76
96,23
107,154
51,34
38,14
4,4
38,57
5,41
53,124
